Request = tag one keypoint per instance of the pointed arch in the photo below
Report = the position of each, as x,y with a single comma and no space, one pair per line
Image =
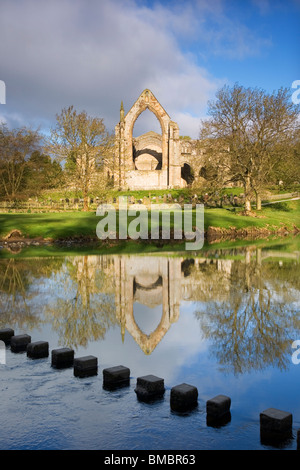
145,101
169,174
145,122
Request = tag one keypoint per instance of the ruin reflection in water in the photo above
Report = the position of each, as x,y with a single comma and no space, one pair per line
246,302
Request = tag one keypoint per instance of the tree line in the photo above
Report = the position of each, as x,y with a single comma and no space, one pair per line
24,169
75,156
251,138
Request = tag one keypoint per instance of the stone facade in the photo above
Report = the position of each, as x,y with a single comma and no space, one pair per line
153,161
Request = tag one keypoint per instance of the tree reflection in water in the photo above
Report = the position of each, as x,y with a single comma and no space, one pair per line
247,302
254,327
82,309
21,281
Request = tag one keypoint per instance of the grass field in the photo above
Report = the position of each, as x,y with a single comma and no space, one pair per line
72,225
272,216
83,224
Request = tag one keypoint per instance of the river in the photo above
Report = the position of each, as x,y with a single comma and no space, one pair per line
223,320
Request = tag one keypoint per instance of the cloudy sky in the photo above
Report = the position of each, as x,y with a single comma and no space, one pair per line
94,53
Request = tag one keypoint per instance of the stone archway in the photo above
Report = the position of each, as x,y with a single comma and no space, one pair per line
203,172
146,101
147,151
187,174
125,173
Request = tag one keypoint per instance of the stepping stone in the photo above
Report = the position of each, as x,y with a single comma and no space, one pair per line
149,387
19,343
62,358
6,334
218,406
116,376
218,422
183,397
85,366
38,349
276,422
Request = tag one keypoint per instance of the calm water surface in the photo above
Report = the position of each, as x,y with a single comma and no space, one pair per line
221,320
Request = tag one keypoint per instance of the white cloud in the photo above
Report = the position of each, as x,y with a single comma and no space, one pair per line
95,54
12,119
188,125
263,6
171,354
3,120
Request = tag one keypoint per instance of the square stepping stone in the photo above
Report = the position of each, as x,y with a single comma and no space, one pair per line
183,397
38,349
116,376
275,421
62,358
218,406
19,343
6,334
149,387
85,366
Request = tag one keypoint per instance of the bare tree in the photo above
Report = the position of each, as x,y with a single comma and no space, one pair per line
83,144
248,134
16,147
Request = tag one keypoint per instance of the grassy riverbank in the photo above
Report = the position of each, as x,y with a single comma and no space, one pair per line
59,226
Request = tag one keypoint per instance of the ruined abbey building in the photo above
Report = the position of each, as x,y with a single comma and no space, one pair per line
153,161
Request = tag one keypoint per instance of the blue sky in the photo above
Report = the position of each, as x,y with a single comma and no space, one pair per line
93,54
268,55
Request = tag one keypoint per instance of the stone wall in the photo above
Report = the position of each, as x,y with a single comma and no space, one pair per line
146,179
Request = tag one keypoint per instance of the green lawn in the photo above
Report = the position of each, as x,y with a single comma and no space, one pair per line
81,224
272,216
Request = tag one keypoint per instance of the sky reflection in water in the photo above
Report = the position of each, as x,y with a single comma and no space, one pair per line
223,321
